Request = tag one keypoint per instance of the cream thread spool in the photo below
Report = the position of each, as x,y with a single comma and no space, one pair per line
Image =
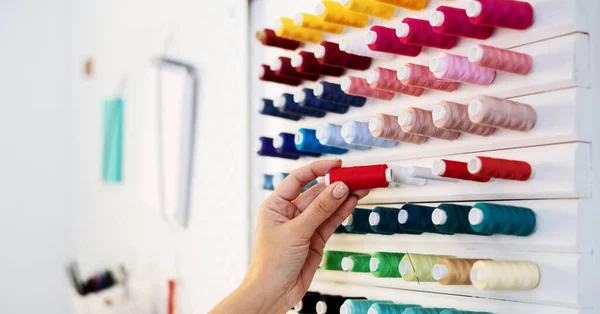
505,275
502,113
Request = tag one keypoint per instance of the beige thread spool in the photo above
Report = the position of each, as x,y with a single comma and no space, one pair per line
502,113
418,267
456,271
505,275
419,121
452,116
386,126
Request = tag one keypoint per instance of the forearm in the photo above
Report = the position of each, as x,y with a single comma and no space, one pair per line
250,299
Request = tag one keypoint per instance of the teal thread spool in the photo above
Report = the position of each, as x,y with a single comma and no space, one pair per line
416,218
332,260
358,221
389,308
356,263
431,310
462,312
489,218
384,220
385,264
358,306
451,219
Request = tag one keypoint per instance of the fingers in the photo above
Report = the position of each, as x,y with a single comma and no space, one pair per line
308,196
328,227
293,185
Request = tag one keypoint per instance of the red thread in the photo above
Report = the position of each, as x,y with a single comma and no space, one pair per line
310,64
455,169
268,38
501,59
286,69
171,297
384,39
419,32
500,168
501,13
269,76
330,54
420,76
361,177
386,79
360,87
455,22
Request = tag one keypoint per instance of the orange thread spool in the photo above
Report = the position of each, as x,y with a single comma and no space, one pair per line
453,271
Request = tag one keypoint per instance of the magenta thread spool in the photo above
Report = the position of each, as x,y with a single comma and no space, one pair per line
421,33
384,39
501,13
455,22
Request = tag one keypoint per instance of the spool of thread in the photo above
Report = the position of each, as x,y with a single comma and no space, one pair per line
416,218
285,145
329,53
330,135
285,103
455,22
266,75
432,310
455,117
505,275
333,92
489,218
505,14
419,121
358,221
306,62
360,177
506,169
460,69
370,7
334,12
389,308
283,66
384,220
308,302
268,150
385,264
417,267
359,87
501,59
306,141
267,182
452,218
330,304
305,98
356,263
358,46
340,229
462,312
332,260
453,271
384,39
285,27
359,306
414,5
419,32
385,79
426,173
455,169
386,126
315,22
357,133
502,113
401,175
267,37
419,76
268,109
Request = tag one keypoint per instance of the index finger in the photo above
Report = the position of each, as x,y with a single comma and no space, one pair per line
292,185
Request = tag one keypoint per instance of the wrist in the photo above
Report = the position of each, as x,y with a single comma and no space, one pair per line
258,298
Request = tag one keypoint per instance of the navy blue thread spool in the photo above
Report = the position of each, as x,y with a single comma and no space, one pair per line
267,183
268,109
330,304
358,133
384,220
267,149
330,134
358,221
285,144
285,103
306,141
334,93
416,218
451,219
340,229
308,303
306,99
489,218
462,312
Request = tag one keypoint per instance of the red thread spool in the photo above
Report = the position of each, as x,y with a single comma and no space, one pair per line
361,177
329,53
419,121
283,66
420,76
306,62
455,22
384,39
419,32
455,169
452,116
265,74
268,38
501,59
500,168
360,87
501,13
385,79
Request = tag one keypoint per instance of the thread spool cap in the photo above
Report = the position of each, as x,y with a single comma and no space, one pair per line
318,90
322,133
347,131
474,8
321,307
327,180
320,9
348,221
372,310
403,30
474,165
279,102
477,275
276,65
437,64
300,96
371,37
298,19
405,118
439,217
375,124
439,272
320,52
299,306
278,25
277,142
344,309
323,260
403,73
343,45
475,216
372,77
347,264
475,107
298,138
436,18
439,167
402,216
261,71
475,53
374,264
346,83
404,267
345,2
374,219
389,175
438,112
297,61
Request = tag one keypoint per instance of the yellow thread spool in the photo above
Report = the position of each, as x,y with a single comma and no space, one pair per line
286,28
334,12
418,267
315,22
453,271
370,7
505,275
415,5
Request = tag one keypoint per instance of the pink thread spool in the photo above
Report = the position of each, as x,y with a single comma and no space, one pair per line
455,22
384,39
385,79
460,69
452,116
418,121
419,76
386,126
502,113
501,13
359,87
501,59
419,32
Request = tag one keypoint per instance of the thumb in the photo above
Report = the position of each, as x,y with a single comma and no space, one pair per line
321,208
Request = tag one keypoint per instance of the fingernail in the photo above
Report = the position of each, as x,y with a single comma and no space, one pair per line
340,190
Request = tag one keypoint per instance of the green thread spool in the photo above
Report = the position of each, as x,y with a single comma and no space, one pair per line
451,219
389,308
332,260
489,218
385,264
431,310
462,312
418,267
358,306
356,263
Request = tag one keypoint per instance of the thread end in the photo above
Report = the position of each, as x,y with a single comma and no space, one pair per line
374,219
320,52
474,8
300,96
402,216
299,19
439,217
297,61
475,107
474,165
298,138
405,119
346,84
375,125
374,264
439,272
475,54
318,91
404,268
372,77
348,221
439,112
320,9
437,64
347,264
327,180
321,307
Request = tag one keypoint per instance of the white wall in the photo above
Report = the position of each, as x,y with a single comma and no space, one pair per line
34,155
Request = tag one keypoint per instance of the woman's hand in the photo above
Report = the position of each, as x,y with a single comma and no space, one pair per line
291,233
